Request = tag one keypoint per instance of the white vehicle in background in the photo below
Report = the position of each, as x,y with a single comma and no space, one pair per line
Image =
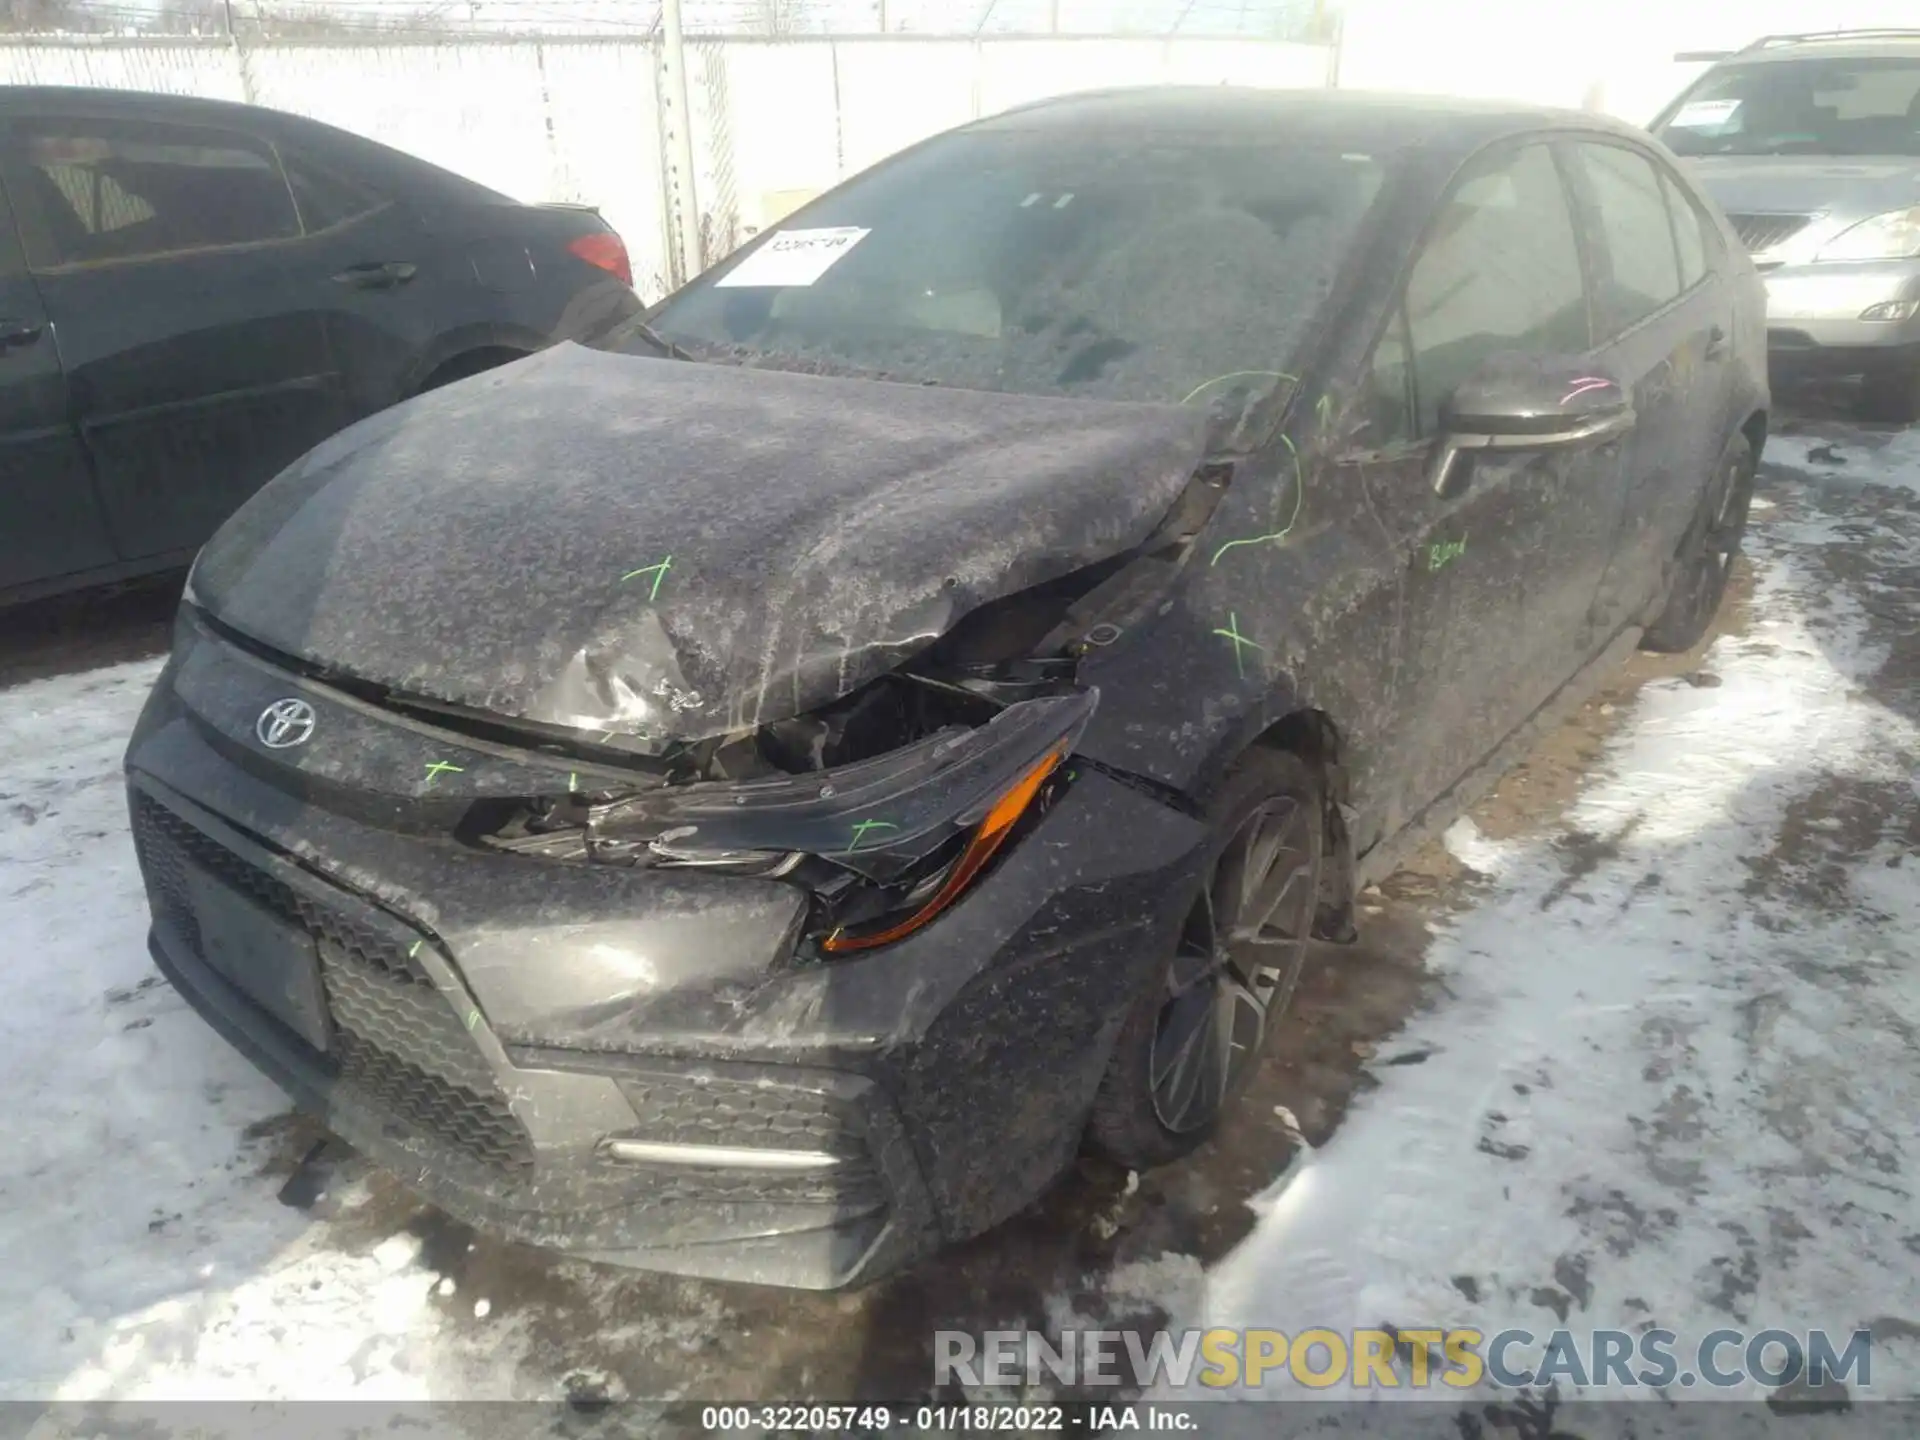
1811,144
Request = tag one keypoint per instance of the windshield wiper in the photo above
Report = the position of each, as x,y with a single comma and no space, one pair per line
653,337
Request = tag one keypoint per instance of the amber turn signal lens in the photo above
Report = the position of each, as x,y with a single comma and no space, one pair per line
987,839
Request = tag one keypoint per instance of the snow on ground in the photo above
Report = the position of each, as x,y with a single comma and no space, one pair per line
1847,453
141,1254
1674,1078
1671,1077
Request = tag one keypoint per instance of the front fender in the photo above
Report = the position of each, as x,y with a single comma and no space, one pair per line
1289,608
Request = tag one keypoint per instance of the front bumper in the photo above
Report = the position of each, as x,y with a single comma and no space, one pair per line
629,1066
1856,309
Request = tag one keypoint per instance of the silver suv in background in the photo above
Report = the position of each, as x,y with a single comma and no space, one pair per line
1811,144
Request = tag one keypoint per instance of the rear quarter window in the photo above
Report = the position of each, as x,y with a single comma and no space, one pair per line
327,196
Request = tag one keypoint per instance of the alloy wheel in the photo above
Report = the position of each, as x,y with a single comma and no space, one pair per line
1239,954
1720,542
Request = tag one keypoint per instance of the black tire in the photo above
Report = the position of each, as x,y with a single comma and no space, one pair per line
1891,393
1707,553
1237,989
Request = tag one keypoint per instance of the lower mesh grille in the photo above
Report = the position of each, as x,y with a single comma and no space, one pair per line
680,1109
479,1124
397,1039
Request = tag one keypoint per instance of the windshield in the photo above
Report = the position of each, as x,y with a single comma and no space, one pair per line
1801,107
1185,272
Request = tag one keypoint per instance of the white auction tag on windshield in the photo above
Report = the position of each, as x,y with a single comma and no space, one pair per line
795,257
1703,114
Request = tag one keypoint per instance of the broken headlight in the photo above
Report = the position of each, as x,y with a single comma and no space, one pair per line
884,843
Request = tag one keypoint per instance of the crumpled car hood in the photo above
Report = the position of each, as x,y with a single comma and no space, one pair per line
671,551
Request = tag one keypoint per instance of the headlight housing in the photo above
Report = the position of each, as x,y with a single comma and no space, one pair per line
884,844
977,841
1894,235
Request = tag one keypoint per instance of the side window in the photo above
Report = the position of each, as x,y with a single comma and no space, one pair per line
109,190
1500,272
1386,406
326,198
1632,216
1689,232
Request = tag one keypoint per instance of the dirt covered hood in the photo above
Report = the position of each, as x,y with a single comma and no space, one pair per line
669,550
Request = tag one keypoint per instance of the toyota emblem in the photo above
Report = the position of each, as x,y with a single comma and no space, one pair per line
284,724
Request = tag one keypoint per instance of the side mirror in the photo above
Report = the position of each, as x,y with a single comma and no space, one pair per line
1526,402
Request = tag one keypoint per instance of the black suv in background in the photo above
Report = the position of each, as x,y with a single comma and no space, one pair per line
193,294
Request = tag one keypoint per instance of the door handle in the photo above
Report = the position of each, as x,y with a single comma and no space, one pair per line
18,333
1716,344
377,275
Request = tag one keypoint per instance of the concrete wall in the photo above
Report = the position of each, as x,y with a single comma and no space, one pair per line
577,119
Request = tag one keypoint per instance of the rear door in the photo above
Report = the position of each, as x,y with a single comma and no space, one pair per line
167,256
1498,579
50,523
385,286
1665,322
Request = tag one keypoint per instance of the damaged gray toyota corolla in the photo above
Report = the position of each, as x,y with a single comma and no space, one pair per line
755,800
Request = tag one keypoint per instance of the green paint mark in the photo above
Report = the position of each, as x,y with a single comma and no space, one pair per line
1445,552
473,1019
439,768
1299,491
1241,644
1239,375
573,782
861,827
658,571
1324,409
413,949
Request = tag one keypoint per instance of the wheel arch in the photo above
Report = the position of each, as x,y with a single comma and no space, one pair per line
475,361
508,342
1313,735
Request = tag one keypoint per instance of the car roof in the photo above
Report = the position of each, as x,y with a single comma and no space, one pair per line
32,98
1901,46
356,151
1358,118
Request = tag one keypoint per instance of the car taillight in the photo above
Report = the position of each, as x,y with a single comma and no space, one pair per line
606,250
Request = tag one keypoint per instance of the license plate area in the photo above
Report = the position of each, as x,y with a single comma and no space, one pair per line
274,963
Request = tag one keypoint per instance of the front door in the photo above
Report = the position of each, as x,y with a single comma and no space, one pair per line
50,522
1499,577
166,257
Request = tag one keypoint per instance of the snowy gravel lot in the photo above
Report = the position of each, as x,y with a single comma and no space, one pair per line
1662,1069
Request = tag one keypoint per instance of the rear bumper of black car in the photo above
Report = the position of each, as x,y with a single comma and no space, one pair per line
745,1117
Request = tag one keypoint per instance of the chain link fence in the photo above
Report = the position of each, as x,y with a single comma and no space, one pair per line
578,118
